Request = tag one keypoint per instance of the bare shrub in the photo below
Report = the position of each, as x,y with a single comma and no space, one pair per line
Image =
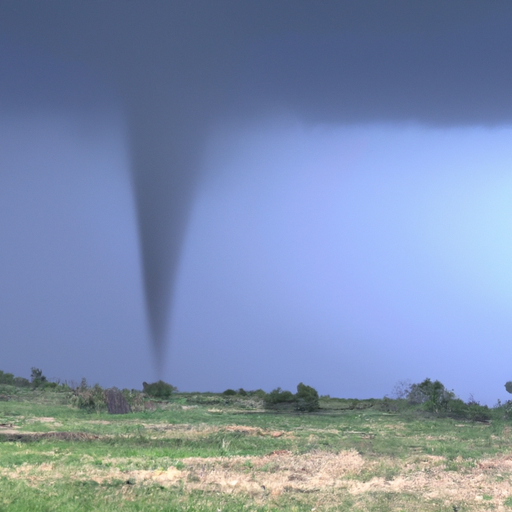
89,399
402,389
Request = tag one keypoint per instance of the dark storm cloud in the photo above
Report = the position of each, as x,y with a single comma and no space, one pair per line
180,66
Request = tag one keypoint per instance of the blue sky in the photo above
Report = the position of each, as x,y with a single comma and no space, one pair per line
353,256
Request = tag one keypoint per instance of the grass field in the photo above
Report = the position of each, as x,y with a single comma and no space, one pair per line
214,453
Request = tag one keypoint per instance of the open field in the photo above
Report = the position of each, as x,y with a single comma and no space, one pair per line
208,452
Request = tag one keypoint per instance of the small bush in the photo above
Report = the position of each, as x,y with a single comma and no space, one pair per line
6,378
389,404
433,395
136,400
242,392
21,382
37,378
504,409
278,396
471,410
477,412
158,389
258,393
435,398
89,399
229,392
306,398
457,408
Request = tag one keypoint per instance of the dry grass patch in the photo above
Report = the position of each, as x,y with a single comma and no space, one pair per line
42,419
187,431
321,474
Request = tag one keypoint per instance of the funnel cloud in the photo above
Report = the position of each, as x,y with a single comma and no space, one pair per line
181,69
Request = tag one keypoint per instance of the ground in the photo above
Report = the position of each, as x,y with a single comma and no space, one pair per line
208,452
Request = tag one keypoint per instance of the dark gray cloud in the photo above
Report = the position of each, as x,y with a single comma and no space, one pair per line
178,67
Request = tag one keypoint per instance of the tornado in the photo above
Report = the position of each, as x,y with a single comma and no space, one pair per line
164,169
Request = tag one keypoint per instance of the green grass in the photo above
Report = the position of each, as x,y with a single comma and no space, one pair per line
117,462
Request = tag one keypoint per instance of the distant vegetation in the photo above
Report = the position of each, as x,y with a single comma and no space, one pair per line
433,397
158,389
6,378
426,397
305,400
258,393
38,379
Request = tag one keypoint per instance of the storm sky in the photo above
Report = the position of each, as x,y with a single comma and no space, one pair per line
237,194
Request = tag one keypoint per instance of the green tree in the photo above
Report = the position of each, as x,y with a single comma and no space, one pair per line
6,378
158,389
37,378
433,395
306,398
278,396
